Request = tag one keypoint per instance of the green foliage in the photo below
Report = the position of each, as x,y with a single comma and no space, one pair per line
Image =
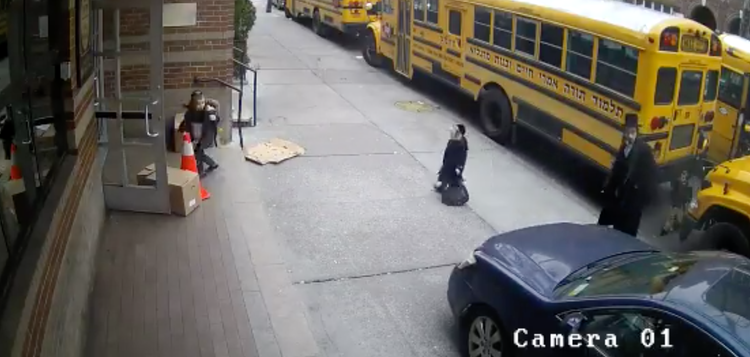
244,20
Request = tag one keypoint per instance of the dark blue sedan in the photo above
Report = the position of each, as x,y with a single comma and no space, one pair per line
584,290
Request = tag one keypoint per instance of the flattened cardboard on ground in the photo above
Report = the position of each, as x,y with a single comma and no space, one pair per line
184,189
273,151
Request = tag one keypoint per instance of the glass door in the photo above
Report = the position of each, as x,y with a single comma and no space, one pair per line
32,118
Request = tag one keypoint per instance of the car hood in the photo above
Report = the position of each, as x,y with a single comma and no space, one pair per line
543,255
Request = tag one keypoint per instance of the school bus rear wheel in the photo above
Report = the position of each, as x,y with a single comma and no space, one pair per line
370,50
495,115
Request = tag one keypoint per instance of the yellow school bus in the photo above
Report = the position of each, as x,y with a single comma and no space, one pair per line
730,137
348,16
570,70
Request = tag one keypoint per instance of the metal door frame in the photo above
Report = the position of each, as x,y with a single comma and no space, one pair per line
122,195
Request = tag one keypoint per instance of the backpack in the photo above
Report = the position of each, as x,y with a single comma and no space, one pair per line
455,195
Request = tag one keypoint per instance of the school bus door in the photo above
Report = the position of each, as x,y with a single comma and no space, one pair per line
687,112
403,37
728,131
741,144
452,42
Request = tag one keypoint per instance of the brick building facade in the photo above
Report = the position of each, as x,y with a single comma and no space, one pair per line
46,285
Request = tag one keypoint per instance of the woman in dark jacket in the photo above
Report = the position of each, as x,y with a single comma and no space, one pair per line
454,159
202,123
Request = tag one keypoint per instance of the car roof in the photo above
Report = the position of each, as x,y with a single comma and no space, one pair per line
716,288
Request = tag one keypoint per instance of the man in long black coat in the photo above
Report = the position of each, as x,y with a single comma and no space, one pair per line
632,182
454,159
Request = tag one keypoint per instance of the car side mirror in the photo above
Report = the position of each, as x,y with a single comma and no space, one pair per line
573,322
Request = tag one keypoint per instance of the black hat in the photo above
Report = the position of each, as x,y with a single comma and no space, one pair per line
631,120
461,129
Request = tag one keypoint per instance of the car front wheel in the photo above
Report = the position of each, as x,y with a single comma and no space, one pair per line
482,335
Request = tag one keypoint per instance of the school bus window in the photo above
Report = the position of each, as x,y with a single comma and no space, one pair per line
419,10
550,46
690,88
432,11
503,30
526,36
579,53
482,21
616,67
666,79
388,6
730,87
454,22
710,90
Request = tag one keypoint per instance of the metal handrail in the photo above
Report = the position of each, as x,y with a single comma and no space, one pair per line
241,91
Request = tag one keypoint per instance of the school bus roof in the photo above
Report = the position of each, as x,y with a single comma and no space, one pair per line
610,18
736,51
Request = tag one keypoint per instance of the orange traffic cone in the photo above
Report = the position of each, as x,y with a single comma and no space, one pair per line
189,163
15,171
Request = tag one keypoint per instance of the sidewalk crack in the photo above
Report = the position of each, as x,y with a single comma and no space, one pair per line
372,275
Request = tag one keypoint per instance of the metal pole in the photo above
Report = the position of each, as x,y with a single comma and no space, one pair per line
239,114
745,19
254,119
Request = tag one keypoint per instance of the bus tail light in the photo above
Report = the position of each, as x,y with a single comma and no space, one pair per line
709,116
658,123
669,39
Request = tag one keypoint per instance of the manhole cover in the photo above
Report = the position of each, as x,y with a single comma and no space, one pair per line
417,106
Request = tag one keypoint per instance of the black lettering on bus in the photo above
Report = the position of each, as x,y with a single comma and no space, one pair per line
548,81
574,92
525,71
502,62
480,53
608,106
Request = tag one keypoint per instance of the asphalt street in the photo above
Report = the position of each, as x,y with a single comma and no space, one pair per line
364,244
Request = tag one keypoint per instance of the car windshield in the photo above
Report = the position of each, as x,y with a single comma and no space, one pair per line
642,274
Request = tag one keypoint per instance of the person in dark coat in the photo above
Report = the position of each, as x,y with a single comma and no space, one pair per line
632,182
202,123
454,159
680,197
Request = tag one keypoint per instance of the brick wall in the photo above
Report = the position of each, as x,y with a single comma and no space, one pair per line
176,75
212,35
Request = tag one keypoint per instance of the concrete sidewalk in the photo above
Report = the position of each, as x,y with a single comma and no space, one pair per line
344,251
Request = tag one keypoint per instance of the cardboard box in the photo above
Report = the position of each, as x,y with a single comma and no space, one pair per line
184,189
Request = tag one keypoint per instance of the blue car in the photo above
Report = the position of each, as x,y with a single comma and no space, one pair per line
584,290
